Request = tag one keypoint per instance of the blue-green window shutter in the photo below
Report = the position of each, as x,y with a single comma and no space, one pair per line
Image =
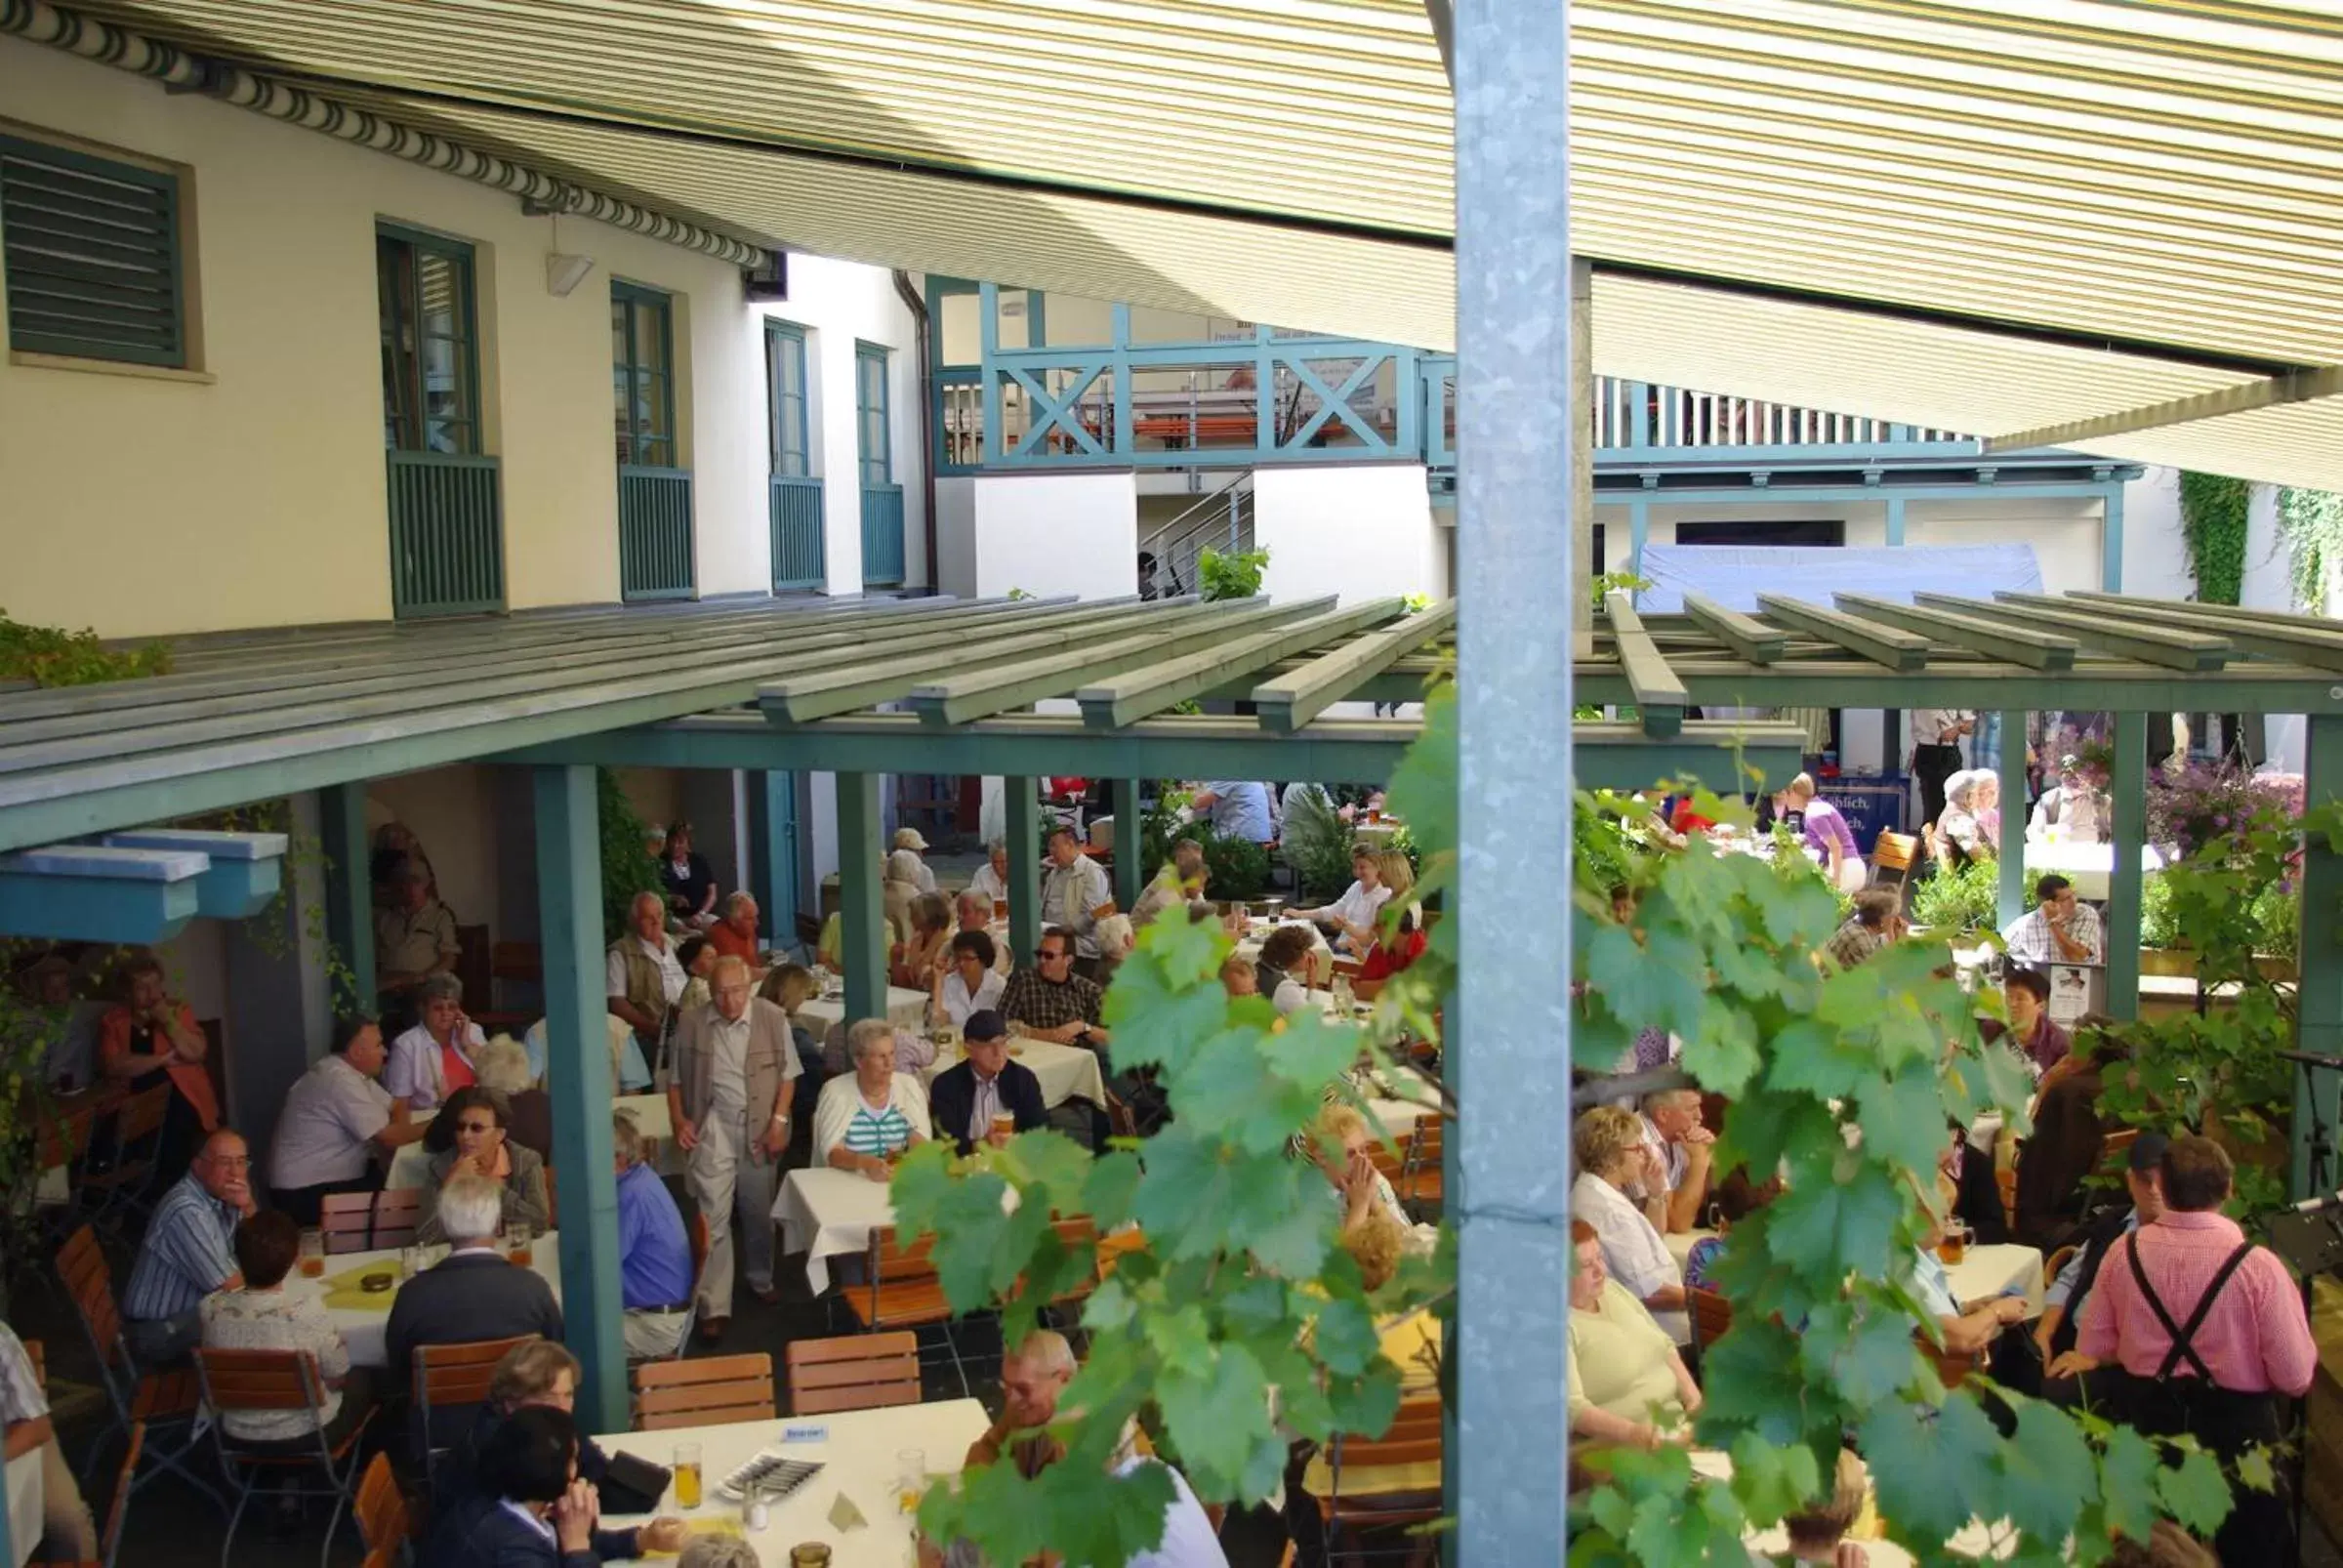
430,342
91,252
872,435
643,383
785,381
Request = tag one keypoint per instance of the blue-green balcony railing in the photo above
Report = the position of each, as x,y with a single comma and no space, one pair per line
799,559
883,535
447,534
654,532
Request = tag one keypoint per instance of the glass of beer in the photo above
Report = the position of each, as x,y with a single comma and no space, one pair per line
1955,1247
1005,1125
517,1243
688,1475
1000,909
410,1261
312,1253
911,1478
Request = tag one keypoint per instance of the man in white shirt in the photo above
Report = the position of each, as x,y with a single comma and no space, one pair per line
25,1414
1936,734
992,878
1075,898
1683,1147
2059,929
335,1119
729,1103
643,976
972,911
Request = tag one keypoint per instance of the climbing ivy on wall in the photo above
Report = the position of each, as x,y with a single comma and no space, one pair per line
2311,523
51,656
2212,524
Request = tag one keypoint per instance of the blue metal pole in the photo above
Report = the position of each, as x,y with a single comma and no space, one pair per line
348,883
1895,522
773,808
1131,869
1519,303
2318,1017
2131,830
1639,530
1020,802
862,906
2111,538
570,903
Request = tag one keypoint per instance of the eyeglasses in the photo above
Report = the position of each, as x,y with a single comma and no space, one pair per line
476,1127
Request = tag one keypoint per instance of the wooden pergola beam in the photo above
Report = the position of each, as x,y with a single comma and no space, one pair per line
1293,700
1744,635
1886,645
2191,651
1151,688
2316,645
1660,697
1000,688
2036,650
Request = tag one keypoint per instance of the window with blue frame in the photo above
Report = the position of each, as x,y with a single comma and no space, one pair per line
642,380
90,248
785,386
873,441
430,342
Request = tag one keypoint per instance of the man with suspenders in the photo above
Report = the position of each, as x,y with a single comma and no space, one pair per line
2208,1330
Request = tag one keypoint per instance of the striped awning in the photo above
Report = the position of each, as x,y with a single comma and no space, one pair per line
1995,216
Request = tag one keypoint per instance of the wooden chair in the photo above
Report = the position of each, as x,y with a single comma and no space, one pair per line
1712,1317
272,1381
708,1392
397,1210
347,1219
1424,1173
117,1513
901,1291
2005,1183
137,1137
1368,990
449,1379
151,1403
384,1523
858,1372
1952,1367
2058,1260
1893,852
1414,1439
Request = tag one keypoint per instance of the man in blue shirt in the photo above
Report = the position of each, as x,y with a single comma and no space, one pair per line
2062,1302
654,1256
186,1254
1239,808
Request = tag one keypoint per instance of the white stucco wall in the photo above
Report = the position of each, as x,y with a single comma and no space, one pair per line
1056,533
1359,531
253,494
956,536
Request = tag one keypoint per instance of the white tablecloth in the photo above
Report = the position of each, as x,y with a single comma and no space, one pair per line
1973,1540
906,1008
824,1212
2088,866
1066,1072
857,1455
362,1328
26,1498
410,1165
1418,1101
1985,1271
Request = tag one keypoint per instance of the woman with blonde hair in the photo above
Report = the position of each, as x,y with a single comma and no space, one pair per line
1627,1384
919,957
1339,1141
1350,918
1616,1168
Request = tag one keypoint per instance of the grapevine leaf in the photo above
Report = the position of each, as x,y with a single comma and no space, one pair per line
2048,1475
2195,1492
1932,1468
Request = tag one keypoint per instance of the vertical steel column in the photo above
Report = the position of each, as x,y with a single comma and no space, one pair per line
988,344
2319,1018
1021,804
348,883
773,854
2130,829
570,914
2012,902
1639,533
1130,867
2111,538
861,904
1895,521
1519,408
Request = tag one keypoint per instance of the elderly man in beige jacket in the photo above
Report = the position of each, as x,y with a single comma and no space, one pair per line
729,1101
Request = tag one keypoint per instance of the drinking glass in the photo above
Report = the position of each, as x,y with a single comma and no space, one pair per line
517,1243
911,1478
688,1475
410,1261
1954,1247
312,1254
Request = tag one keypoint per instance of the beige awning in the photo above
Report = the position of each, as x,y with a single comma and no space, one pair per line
2082,207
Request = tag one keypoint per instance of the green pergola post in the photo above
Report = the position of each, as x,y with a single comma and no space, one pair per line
2318,1014
570,903
348,883
1019,802
2130,831
1130,867
2012,902
862,907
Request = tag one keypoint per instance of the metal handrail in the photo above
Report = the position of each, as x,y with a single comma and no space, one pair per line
1219,516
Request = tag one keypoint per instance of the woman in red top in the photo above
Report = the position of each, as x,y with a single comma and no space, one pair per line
153,1033
1389,955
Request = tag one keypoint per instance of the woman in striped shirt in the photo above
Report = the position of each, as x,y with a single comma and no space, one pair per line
864,1122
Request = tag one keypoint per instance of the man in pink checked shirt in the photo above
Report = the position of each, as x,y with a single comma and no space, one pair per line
2209,1330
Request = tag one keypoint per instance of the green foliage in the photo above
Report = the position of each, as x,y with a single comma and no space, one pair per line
1235,869
1316,843
271,930
628,868
2212,524
1416,603
1231,574
1951,901
51,656
1608,583
2312,523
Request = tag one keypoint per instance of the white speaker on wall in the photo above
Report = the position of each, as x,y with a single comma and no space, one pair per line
565,273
